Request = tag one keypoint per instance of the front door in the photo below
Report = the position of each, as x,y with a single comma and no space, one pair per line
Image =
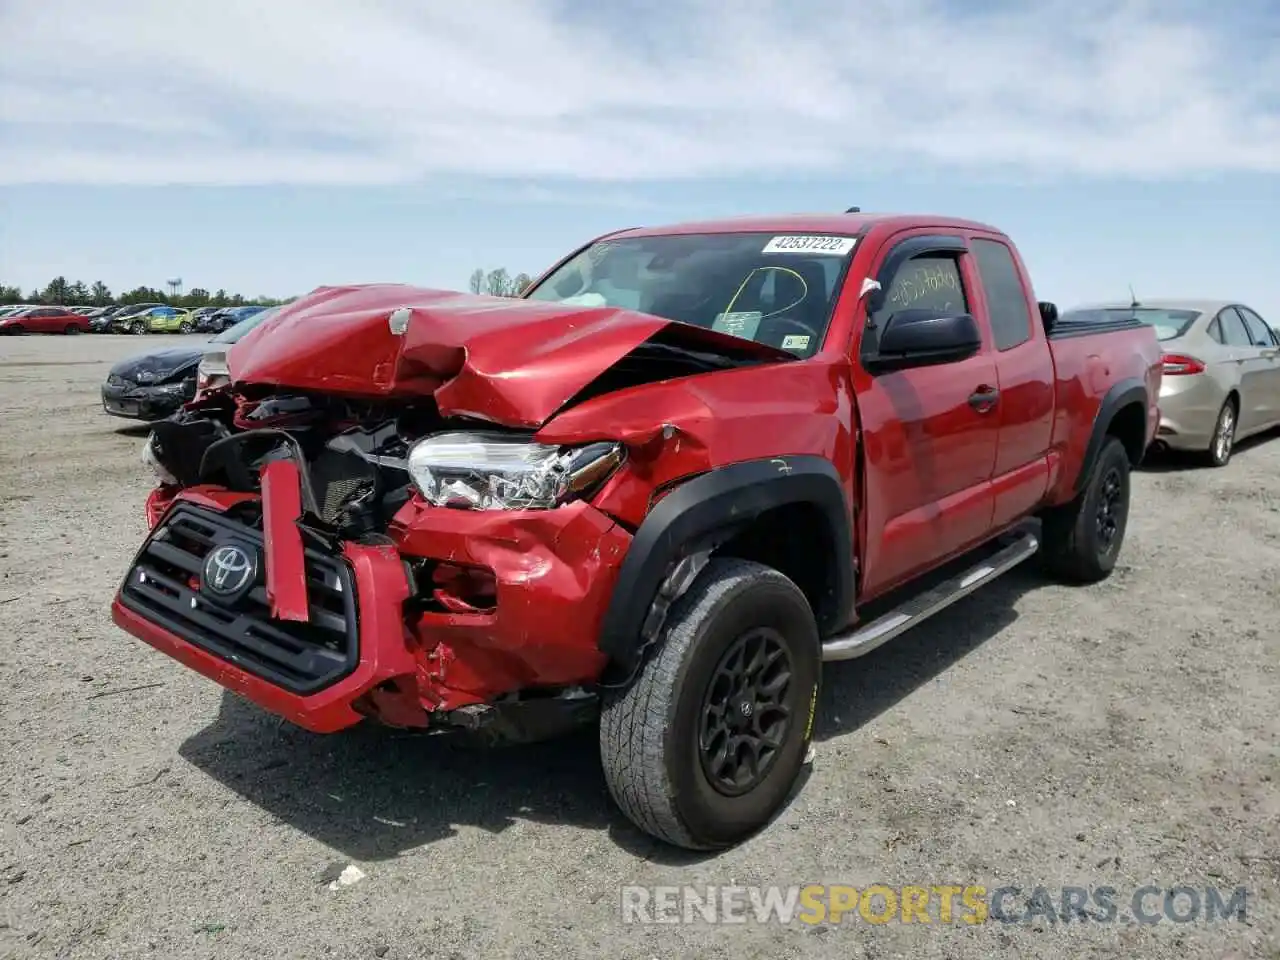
1266,372
929,434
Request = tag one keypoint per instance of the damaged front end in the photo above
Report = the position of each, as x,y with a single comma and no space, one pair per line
332,560
409,552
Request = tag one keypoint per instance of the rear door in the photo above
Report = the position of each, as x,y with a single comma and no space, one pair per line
929,433
1025,370
1267,372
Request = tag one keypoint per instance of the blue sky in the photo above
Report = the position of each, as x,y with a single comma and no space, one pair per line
272,148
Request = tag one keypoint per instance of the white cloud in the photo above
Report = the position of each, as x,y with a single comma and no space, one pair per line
391,91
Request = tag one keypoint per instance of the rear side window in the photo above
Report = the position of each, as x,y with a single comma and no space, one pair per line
1234,333
1006,297
1259,332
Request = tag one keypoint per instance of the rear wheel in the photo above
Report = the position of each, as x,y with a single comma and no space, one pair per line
184,327
1224,435
71,330
1082,539
703,748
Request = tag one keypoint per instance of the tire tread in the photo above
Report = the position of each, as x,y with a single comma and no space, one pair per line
635,721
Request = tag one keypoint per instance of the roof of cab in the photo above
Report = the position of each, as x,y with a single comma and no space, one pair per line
840,224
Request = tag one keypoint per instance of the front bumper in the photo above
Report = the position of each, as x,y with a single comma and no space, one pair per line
388,655
243,652
150,402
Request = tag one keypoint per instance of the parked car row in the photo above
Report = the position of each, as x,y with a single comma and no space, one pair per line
134,318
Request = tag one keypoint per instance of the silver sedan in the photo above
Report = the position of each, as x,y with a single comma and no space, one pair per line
1221,378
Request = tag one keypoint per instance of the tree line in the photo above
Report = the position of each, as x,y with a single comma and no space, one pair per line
498,283
60,292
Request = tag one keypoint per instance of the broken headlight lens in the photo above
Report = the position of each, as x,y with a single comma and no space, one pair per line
497,472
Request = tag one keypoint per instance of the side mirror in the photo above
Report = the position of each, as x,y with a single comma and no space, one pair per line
1048,315
918,338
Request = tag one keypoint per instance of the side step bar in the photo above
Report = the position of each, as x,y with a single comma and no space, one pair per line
863,640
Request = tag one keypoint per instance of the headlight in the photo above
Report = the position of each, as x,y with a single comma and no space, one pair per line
496,472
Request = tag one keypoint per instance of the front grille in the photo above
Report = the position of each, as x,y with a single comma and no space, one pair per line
338,477
163,586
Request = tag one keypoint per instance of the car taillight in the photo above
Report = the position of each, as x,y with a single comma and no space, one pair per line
1180,363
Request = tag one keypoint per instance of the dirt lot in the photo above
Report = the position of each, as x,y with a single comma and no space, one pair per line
1120,735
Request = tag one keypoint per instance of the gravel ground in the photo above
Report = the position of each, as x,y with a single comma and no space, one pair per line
1119,735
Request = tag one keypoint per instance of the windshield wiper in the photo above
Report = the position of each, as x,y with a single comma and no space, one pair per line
695,358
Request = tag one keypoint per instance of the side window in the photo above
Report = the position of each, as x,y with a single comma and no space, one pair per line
1259,331
1006,297
928,282
1234,333
1215,330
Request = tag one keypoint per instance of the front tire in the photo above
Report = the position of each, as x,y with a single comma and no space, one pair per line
1082,539
704,746
139,327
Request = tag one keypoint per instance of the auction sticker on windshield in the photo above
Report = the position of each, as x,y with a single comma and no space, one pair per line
834,246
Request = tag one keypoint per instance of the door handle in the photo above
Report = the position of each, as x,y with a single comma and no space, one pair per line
984,399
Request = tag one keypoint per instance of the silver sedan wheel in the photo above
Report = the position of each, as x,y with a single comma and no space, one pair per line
1224,435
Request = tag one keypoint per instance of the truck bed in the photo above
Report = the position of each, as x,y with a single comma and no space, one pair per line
1066,329
1100,368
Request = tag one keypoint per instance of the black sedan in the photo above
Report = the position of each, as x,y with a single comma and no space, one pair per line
154,385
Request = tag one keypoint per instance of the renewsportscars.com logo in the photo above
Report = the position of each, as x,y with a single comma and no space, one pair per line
937,904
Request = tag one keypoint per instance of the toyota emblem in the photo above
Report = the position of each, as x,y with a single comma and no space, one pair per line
229,571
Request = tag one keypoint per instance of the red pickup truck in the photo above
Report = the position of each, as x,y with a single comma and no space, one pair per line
657,492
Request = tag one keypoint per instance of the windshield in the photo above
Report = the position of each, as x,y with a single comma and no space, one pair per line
776,290
1168,324
236,331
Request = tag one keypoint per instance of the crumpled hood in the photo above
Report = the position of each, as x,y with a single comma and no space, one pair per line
509,361
159,363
